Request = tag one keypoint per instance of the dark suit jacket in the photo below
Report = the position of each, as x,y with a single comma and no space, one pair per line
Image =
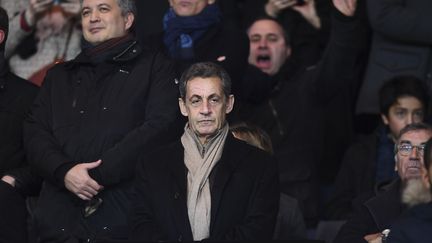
374,215
244,195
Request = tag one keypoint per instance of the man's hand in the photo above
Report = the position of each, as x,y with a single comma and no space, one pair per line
307,10
9,180
36,7
79,182
273,7
346,7
71,7
373,238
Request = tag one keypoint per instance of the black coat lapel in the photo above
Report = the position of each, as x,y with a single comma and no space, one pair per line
231,156
179,210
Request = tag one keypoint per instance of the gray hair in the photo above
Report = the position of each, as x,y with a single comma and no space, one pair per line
205,70
126,6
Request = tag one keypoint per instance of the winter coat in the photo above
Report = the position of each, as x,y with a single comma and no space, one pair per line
85,112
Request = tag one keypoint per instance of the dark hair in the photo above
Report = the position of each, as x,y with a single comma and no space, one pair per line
402,86
285,33
427,154
205,70
253,135
126,6
4,25
412,127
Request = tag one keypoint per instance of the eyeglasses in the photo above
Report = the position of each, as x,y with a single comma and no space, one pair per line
406,149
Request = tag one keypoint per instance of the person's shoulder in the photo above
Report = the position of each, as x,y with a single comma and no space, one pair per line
250,154
23,84
162,155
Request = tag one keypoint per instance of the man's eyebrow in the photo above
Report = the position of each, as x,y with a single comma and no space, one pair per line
195,96
405,141
214,96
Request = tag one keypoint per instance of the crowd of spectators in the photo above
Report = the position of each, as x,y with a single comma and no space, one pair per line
336,92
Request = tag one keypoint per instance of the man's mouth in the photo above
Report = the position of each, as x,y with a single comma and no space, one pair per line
205,122
94,30
263,61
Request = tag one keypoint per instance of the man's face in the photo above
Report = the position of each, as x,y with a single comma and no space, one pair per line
186,8
103,20
405,111
410,165
268,49
205,106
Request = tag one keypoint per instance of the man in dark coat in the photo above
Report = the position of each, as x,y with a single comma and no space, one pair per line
370,161
195,32
16,96
91,119
207,185
378,212
291,105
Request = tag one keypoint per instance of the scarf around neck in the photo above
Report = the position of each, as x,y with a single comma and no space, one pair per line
200,160
180,33
107,49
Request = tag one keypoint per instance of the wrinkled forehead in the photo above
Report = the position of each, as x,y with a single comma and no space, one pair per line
265,27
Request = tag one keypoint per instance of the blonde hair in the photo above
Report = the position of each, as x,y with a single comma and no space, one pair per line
253,135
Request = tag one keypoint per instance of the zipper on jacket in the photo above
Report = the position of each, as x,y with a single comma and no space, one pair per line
276,116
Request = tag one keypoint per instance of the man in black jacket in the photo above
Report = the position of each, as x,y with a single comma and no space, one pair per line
292,105
93,116
376,213
207,185
16,96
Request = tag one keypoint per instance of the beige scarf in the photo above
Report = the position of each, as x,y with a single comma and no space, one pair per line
200,160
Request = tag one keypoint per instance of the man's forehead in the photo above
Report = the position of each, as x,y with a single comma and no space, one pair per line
87,3
265,26
416,136
204,86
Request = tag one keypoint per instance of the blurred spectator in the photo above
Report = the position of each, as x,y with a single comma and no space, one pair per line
290,105
370,161
307,21
376,212
16,96
43,32
290,224
194,32
416,224
401,45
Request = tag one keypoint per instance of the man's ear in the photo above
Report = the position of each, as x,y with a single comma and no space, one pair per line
229,104
288,51
2,36
129,20
396,161
182,106
384,119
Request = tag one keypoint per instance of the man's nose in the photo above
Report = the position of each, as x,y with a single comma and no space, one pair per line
205,107
263,43
94,17
409,119
415,153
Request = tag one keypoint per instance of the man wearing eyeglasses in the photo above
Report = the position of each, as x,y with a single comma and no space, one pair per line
378,212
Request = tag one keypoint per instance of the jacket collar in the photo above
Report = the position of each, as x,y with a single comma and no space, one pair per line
386,206
126,51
